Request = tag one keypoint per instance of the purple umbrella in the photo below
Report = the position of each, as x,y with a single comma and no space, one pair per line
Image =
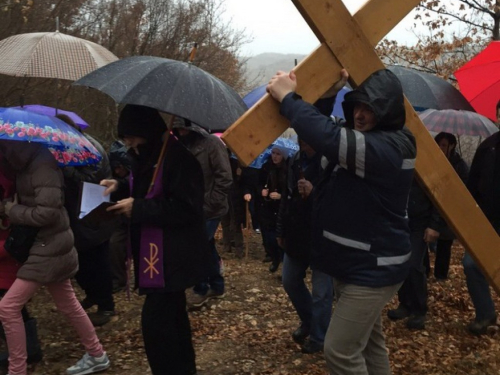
51,111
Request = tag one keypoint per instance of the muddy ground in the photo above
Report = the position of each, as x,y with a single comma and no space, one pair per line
249,331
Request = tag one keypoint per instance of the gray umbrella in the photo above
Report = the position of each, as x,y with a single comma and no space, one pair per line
170,86
426,91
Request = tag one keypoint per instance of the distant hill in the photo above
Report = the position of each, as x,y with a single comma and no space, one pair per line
260,68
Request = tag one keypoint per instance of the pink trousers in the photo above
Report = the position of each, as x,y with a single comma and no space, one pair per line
64,297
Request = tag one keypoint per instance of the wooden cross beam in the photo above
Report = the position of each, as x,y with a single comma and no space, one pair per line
348,41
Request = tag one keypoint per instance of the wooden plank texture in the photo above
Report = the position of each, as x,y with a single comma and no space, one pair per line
262,124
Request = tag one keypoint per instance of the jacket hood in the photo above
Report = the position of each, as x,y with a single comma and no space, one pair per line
382,91
20,154
182,123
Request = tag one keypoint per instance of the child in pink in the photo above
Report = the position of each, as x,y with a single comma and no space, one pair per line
52,259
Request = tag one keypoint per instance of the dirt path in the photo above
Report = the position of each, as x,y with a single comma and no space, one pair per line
249,331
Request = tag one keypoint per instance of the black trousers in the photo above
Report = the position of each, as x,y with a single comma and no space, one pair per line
167,334
118,255
443,256
413,292
94,276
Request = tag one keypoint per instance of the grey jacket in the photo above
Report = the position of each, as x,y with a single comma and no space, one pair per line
214,160
39,187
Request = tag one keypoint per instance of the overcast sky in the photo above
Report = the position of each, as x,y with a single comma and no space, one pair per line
277,26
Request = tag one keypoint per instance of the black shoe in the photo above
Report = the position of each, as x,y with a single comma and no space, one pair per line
416,322
400,313
273,267
300,335
480,327
87,303
100,317
311,347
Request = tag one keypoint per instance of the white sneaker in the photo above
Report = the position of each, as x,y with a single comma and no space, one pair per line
89,365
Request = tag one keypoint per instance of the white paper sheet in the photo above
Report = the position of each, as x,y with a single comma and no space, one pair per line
92,196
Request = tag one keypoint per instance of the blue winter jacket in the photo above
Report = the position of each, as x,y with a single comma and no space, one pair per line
360,225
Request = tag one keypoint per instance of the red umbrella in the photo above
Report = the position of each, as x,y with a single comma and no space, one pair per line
479,80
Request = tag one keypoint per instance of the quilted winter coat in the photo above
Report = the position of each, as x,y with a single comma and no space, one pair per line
39,187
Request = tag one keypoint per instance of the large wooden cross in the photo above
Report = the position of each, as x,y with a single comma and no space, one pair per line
348,41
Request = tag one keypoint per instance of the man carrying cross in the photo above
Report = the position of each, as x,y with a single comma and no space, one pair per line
360,227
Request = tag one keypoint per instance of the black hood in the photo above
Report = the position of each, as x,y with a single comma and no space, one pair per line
140,121
382,91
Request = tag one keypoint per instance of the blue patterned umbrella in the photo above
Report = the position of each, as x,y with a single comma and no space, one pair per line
68,146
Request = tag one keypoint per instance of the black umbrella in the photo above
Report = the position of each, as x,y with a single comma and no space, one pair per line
425,90
169,86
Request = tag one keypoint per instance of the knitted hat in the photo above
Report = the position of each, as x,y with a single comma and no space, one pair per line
140,121
283,151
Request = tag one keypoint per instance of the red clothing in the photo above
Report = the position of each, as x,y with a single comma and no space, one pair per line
8,265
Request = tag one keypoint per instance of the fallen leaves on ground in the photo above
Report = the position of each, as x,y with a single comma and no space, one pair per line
249,331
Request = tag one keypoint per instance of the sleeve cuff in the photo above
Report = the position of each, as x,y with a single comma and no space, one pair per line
287,104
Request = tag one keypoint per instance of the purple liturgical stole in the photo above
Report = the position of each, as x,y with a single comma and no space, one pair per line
151,247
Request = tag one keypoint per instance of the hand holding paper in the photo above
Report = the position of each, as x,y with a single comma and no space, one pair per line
110,185
93,203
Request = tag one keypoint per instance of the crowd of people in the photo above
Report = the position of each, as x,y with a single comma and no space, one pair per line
346,206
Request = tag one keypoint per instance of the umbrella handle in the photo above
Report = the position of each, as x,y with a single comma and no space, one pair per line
162,154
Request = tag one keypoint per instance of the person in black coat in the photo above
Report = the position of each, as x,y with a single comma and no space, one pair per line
447,143
176,211
313,307
119,161
360,234
234,219
272,186
484,185
425,225
91,239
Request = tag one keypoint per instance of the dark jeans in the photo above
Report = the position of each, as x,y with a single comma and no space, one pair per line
167,334
479,289
314,307
94,276
271,245
413,293
215,281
